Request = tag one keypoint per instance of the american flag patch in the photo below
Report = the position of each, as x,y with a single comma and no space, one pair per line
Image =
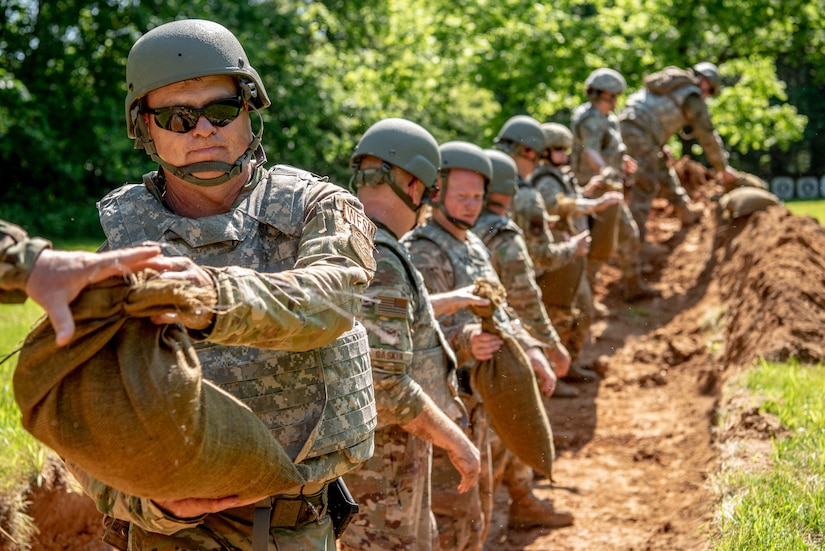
391,307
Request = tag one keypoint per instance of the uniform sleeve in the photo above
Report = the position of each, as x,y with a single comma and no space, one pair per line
591,132
530,214
143,512
18,253
515,270
311,304
696,112
387,314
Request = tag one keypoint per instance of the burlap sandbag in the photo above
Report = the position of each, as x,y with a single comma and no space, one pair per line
744,201
125,401
507,387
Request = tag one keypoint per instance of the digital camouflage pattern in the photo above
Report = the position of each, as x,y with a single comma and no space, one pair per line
530,214
18,252
599,132
290,262
409,357
511,260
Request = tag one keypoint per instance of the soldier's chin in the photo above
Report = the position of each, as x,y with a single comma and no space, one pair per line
208,175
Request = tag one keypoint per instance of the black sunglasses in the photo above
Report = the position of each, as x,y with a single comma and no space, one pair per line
182,119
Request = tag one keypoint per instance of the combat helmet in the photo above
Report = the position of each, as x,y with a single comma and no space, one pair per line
401,143
605,80
467,156
556,135
520,130
183,50
710,72
505,173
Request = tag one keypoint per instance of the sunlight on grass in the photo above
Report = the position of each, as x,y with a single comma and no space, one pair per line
781,506
22,456
815,209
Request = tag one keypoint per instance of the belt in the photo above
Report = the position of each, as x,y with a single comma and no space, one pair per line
286,512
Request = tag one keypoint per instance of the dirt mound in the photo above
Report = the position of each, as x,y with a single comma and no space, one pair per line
772,280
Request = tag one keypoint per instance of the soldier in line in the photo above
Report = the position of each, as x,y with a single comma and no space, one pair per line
671,99
29,267
288,254
450,256
521,137
395,169
509,256
598,150
566,291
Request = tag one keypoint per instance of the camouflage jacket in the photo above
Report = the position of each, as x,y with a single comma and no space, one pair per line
447,264
551,182
18,252
530,214
290,262
660,116
408,351
599,132
508,253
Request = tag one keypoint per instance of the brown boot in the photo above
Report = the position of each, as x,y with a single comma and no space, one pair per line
529,512
636,289
578,374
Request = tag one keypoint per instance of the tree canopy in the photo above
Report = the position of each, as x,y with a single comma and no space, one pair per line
460,68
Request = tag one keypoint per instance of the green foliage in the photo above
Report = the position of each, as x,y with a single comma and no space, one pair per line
334,67
781,507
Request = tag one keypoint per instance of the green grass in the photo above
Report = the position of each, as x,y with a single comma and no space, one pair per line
783,506
808,208
22,455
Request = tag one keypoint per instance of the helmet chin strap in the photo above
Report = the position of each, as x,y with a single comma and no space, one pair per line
253,153
457,222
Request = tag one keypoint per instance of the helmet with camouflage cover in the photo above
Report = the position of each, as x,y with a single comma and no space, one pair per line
520,130
556,136
401,143
467,156
184,50
605,80
505,173
711,73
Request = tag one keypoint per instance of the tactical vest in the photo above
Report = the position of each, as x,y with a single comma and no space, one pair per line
611,145
318,404
549,181
661,116
433,361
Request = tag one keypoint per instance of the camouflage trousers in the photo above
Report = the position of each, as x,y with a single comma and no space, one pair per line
392,489
628,246
509,470
653,176
231,530
463,519
573,323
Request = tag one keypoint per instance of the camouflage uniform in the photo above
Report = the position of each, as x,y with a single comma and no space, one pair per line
290,261
572,320
530,214
18,252
594,130
409,356
446,264
648,121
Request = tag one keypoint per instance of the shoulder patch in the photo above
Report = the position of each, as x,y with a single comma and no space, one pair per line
359,221
391,307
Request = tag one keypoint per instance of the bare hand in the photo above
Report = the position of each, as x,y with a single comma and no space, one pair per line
59,276
730,175
484,345
184,269
544,375
195,507
608,200
467,461
453,301
582,242
560,357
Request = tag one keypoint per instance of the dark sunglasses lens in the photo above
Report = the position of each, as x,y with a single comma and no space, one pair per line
184,119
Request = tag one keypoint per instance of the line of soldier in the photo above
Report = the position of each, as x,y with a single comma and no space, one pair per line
514,213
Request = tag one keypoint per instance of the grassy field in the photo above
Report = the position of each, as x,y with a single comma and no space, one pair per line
782,505
808,208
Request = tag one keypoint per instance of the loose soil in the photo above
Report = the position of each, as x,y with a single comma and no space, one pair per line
636,449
